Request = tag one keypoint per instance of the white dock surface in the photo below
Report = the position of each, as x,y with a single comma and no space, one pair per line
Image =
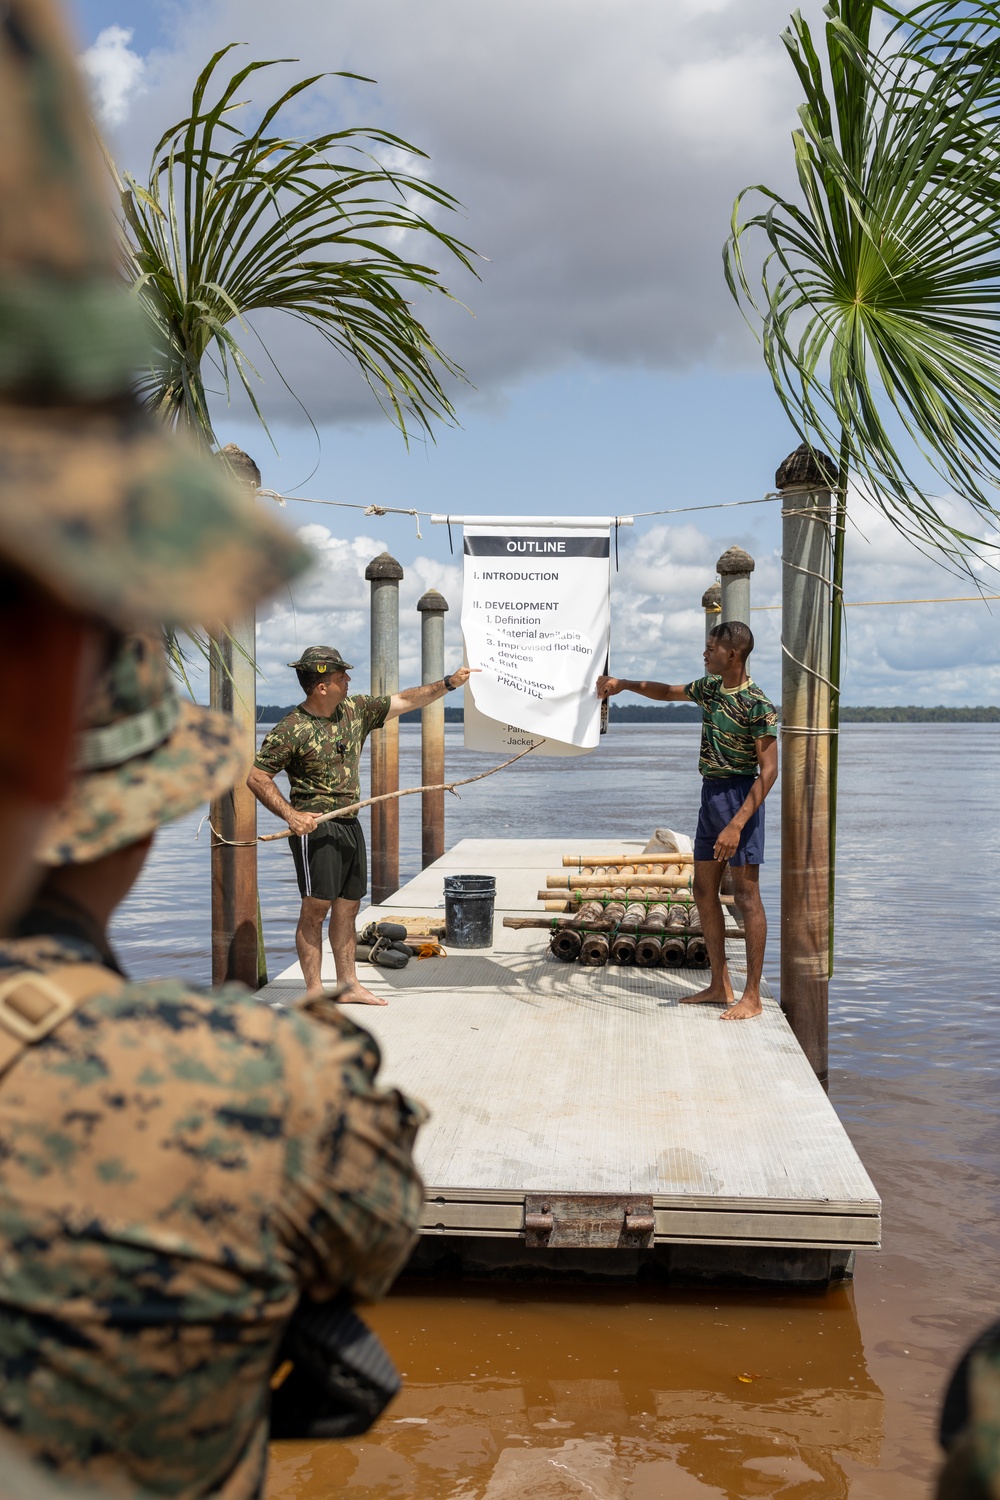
549,1077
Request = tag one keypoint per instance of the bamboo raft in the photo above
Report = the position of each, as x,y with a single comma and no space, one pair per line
624,909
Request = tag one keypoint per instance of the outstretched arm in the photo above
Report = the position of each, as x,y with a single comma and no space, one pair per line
419,697
728,841
664,692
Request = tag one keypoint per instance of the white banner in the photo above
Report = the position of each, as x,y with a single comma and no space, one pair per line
536,620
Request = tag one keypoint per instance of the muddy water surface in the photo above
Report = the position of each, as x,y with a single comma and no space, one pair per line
631,1394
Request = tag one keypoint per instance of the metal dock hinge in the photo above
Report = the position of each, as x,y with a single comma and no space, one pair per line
596,1221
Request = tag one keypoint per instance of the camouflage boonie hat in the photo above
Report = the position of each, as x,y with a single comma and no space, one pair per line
144,758
322,659
97,501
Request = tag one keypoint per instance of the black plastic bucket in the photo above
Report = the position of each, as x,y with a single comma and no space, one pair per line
468,910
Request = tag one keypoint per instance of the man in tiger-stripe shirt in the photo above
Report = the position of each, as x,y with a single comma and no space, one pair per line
739,765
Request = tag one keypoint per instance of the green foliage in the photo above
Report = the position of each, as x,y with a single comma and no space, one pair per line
879,300
235,222
915,713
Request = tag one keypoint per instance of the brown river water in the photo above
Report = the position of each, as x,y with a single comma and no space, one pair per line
631,1393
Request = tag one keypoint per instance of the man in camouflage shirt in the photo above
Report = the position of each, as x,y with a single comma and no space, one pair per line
739,765
179,1165
319,745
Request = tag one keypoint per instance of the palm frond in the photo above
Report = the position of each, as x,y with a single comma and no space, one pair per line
877,298
235,222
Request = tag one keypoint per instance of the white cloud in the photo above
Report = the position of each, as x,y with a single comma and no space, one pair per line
329,606
115,73
597,147
919,653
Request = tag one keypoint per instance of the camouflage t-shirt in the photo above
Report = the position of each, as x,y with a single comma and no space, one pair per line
321,756
733,720
177,1165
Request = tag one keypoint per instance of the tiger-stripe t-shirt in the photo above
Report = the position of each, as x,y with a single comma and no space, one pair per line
733,720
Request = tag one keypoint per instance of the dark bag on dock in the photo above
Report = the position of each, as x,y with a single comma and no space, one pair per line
333,1378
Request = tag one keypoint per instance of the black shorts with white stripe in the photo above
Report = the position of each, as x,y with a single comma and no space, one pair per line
331,861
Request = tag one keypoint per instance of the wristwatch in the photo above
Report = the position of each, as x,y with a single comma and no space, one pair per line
449,686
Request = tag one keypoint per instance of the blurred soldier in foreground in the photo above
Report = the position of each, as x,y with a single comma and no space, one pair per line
178,1165
103,517
969,1429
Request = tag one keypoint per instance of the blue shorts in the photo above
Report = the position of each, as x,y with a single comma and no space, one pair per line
721,799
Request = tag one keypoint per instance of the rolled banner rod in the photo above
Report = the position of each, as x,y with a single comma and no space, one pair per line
518,523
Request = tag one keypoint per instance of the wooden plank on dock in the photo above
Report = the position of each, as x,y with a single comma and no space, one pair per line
555,1078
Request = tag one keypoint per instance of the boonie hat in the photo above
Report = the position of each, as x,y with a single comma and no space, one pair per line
144,757
322,659
97,501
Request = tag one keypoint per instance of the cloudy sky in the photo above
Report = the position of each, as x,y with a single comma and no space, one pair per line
596,147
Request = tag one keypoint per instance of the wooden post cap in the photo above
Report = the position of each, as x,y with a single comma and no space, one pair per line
242,465
383,566
806,468
734,562
432,603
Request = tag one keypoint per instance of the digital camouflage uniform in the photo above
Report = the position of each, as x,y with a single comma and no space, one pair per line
177,1166
972,1469
97,502
322,756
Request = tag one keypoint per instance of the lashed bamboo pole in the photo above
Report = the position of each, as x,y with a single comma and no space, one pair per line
630,892
564,923
623,944
570,937
636,862
649,948
674,947
697,952
587,882
805,751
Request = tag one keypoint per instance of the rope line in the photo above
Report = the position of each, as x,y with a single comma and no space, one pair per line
396,510
880,603
805,667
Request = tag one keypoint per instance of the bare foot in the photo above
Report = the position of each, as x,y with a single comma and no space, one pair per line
744,1009
358,994
715,994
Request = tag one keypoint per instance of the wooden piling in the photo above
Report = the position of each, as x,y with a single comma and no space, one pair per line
237,949
711,603
432,607
805,751
734,568
384,574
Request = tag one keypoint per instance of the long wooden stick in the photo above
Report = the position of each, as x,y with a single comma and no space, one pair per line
410,791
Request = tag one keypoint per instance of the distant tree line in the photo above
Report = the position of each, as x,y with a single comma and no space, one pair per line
688,713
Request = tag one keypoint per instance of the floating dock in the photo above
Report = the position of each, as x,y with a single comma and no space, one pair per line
586,1107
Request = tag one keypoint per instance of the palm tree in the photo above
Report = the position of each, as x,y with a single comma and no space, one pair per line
234,222
879,289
